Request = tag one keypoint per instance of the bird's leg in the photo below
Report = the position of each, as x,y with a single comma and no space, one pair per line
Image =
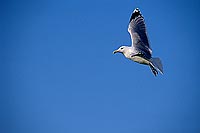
155,72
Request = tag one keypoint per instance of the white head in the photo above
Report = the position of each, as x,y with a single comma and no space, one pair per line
120,50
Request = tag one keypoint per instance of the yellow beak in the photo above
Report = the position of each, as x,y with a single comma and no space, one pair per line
116,51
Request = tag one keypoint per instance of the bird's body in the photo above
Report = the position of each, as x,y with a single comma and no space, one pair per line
140,50
140,60
130,53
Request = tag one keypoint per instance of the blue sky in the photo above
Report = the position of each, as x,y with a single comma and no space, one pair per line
58,73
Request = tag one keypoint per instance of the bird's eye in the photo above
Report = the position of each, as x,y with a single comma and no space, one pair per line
122,48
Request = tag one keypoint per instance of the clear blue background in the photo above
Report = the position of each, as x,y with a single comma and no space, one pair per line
58,73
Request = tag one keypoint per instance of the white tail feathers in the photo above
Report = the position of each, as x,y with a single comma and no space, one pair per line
156,63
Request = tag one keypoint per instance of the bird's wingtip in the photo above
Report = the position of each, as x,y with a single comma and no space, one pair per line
136,10
135,14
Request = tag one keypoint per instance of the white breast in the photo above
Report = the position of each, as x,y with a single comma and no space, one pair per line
140,60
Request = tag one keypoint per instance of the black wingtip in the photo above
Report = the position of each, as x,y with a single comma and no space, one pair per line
135,14
136,10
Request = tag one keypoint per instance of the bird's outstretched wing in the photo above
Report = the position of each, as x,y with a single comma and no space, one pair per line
137,30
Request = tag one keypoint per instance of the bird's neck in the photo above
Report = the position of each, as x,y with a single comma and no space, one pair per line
128,52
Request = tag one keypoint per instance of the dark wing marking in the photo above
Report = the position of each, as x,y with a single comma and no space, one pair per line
137,30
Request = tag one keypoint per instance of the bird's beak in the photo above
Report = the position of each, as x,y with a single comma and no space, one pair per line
116,51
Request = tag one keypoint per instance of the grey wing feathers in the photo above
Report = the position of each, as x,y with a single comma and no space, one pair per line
137,30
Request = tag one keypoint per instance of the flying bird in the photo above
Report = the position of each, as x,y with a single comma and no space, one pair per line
140,50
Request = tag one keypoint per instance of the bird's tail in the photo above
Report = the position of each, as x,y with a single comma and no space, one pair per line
156,64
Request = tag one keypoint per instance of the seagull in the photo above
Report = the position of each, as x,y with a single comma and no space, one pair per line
140,50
